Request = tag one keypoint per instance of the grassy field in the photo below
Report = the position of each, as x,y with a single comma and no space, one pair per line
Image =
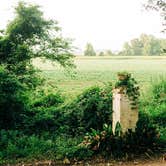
98,70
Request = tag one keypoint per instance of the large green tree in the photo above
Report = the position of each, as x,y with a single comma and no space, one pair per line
29,36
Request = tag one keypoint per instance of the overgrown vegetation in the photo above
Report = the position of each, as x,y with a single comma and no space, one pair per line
128,85
54,129
89,110
37,124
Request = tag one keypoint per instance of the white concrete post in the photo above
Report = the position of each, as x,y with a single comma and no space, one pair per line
122,112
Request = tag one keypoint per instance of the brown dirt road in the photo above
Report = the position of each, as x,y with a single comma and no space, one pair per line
111,163
157,161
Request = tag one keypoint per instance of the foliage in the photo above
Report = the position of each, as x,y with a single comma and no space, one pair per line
91,109
14,144
160,6
156,106
29,36
67,147
159,90
101,53
13,100
45,114
129,86
89,50
48,100
106,143
146,131
50,130
144,45
109,53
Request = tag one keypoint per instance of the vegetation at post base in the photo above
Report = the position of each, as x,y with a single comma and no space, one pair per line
106,143
53,129
38,123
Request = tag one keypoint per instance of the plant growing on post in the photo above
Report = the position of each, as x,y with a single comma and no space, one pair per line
128,85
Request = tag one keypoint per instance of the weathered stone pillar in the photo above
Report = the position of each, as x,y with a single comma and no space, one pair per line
123,111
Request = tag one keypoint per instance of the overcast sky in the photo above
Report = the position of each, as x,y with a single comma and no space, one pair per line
107,24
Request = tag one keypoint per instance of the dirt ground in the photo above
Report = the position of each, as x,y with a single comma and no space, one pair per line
135,163
159,161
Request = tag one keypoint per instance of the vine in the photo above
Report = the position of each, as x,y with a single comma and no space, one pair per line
129,86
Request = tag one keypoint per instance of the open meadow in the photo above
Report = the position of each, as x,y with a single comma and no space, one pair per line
98,70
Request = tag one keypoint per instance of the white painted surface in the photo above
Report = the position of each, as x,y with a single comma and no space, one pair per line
123,113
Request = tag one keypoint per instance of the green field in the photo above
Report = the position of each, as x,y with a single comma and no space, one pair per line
98,70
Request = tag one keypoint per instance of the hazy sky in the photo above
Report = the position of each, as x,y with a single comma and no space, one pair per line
107,24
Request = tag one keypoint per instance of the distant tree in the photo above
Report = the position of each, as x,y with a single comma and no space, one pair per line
109,53
89,50
101,53
136,46
151,45
144,45
163,45
155,47
145,39
127,50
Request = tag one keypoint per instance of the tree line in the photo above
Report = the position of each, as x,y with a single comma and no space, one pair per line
146,45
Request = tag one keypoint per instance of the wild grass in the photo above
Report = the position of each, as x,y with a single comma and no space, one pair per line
98,70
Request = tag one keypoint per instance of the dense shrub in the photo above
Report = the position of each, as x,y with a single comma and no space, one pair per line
48,100
106,143
50,128
156,106
159,90
159,103
67,147
45,114
157,112
13,100
91,109
14,144
146,131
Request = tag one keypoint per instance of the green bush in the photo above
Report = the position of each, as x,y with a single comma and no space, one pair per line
91,109
146,131
14,144
106,143
67,147
156,105
13,100
157,112
45,114
48,100
159,90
